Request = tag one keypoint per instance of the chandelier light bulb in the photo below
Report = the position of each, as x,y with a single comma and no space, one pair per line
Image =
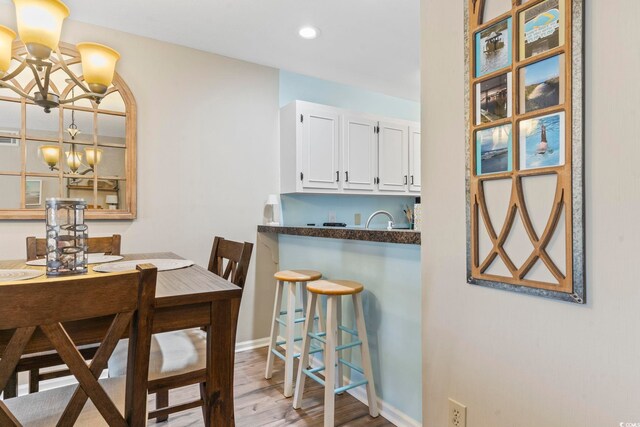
40,25
308,32
6,41
98,65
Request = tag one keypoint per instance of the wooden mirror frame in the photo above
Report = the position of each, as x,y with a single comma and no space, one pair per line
569,193
130,115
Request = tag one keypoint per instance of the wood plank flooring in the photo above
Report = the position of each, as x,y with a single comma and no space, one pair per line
260,402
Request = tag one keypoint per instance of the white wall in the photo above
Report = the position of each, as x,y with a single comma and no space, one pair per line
207,153
515,360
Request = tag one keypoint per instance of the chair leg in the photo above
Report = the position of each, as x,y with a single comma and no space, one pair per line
339,340
330,361
11,388
366,357
275,329
162,401
34,380
290,340
304,356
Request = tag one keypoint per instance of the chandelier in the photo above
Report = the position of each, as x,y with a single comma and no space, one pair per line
39,27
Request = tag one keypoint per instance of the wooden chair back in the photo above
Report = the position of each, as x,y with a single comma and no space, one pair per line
47,304
37,248
230,260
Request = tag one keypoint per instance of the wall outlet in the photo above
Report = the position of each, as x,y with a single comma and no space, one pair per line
332,216
457,414
357,219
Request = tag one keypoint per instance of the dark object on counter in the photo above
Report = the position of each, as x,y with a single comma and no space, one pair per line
311,225
334,224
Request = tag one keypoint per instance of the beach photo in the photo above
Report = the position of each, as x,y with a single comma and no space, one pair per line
542,142
541,85
493,99
493,150
493,48
541,28
33,192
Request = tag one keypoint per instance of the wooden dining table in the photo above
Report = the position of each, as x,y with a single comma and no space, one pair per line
191,297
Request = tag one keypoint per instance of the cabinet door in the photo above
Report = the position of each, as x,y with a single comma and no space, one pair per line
414,159
359,153
320,145
393,140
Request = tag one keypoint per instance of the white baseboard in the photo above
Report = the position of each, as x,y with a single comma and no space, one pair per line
390,412
252,344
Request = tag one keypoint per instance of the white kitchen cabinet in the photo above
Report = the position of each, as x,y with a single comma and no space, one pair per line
359,153
393,143
325,149
414,159
310,148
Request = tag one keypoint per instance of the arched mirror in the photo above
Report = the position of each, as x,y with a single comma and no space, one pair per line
81,149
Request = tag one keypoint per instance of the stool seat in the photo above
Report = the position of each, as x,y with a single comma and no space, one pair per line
297,275
335,287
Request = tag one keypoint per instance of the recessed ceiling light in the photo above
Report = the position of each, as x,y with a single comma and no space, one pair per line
308,32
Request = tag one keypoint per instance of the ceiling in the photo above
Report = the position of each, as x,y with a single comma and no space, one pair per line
368,43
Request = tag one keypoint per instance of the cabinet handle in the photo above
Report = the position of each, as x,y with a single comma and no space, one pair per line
337,176
405,180
347,176
411,179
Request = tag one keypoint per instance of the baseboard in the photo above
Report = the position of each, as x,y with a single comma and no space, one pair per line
390,412
252,344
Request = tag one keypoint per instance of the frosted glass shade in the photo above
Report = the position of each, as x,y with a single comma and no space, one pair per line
6,40
94,156
40,25
50,154
74,160
98,65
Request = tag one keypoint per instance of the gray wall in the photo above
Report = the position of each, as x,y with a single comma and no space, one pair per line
516,360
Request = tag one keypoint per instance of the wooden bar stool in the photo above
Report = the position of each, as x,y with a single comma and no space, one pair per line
334,290
290,279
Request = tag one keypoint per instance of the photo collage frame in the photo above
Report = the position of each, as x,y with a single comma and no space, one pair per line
524,120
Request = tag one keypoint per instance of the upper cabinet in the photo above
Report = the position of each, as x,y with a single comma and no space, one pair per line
329,150
414,159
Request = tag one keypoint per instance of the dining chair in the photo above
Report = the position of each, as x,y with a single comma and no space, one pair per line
179,358
42,313
110,245
37,248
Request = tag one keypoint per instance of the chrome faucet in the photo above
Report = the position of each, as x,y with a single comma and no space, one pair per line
389,225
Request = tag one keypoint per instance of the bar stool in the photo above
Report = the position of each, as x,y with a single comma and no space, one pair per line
334,290
290,279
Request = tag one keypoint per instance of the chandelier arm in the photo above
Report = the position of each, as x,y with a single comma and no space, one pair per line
20,92
17,71
90,95
44,89
75,79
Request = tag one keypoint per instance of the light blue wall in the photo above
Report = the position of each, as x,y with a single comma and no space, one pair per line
304,88
390,272
391,301
303,209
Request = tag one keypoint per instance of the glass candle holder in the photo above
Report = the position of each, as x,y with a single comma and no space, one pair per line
66,237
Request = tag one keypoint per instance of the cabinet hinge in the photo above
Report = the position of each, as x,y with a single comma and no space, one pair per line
301,118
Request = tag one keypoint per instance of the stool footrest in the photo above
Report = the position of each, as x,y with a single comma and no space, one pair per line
280,343
351,365
316,350
346,346
350,386
298,310
282,356
283,323
313,376
349,331
318,337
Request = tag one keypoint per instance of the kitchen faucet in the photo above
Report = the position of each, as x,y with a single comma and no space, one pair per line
389,225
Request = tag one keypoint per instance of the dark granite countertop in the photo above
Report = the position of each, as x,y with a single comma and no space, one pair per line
407,237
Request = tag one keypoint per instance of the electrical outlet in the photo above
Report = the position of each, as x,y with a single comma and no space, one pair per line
332,216
357,219
457,414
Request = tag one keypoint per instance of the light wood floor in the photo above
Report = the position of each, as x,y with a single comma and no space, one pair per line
260,402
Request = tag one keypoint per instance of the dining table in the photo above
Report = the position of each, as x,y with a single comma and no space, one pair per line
190,297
